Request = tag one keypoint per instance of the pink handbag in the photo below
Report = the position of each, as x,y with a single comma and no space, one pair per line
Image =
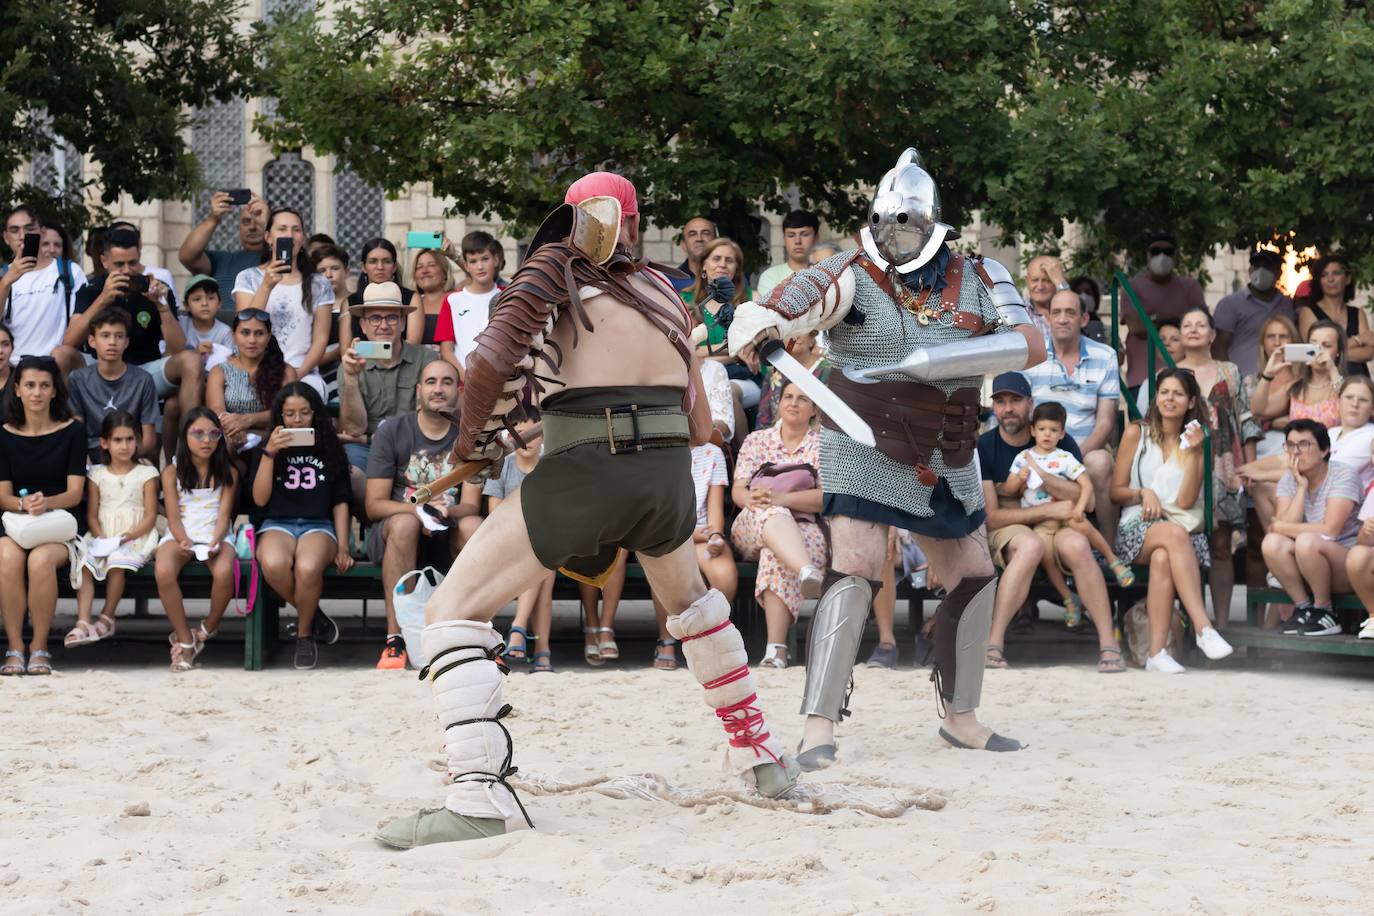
788,478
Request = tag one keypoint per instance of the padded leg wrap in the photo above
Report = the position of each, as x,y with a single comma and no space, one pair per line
715,655
467,696
833,646
962,622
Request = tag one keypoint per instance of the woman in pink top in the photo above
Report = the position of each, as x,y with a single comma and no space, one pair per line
1312,393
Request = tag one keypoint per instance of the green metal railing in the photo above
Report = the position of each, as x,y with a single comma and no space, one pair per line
1153,350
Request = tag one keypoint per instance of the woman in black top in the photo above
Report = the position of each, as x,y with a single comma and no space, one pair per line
1333,286
304,492
42,469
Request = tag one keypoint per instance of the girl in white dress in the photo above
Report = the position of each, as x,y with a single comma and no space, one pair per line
121,504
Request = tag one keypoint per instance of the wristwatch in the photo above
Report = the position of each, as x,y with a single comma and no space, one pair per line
1062,286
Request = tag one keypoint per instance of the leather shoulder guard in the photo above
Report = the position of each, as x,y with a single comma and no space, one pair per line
503,362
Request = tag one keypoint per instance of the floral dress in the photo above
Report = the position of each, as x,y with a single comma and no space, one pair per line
760,448
1228,413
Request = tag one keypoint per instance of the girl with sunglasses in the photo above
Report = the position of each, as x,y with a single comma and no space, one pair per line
240,389
200,487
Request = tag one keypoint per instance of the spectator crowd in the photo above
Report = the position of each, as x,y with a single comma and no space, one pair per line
275,410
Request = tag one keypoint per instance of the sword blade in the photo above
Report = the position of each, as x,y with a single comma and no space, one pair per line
826,400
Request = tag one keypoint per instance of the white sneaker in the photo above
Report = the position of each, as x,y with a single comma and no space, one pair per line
1163,663
1212,645
1367,628
810,579
1272,580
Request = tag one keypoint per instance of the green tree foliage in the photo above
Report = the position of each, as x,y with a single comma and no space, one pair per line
1225,121
117,79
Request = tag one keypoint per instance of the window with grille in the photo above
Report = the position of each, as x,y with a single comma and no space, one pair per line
359,213
289,181
217,139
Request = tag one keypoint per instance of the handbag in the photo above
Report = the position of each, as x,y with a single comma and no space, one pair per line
56,526
788,478
410,609
245,550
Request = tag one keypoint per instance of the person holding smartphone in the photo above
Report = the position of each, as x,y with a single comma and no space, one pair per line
301,483
198,257
298,300
380,373
38,288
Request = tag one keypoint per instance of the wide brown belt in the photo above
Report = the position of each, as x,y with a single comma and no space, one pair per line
911,420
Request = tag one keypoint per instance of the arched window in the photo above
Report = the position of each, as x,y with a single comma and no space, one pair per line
217,141
359,213
289,181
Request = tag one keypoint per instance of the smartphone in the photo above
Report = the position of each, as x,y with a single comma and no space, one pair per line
373,349
297,438
138,285
238,196
285,247
1299,352
424,240
31,245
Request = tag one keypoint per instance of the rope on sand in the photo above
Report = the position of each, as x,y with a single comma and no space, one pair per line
804,797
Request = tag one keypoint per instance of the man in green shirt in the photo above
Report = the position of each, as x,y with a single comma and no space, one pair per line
799,231
373,388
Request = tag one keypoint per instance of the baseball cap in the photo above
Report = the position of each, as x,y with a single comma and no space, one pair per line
1011,383
197,282
1266,258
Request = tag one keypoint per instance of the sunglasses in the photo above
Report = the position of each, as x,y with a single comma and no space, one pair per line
253,315
205,435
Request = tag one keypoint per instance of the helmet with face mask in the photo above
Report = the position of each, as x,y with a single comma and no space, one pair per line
904,226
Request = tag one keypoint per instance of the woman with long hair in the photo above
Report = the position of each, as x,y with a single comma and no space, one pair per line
1234,433
303,491
380,264
1333,286
299,300
240,390
1276,332
1158,481
718,288
1311,394
42,472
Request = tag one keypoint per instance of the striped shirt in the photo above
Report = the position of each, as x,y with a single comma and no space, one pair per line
1096,377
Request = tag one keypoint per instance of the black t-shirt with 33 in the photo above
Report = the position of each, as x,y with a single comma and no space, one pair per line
146,334
996,454
302,488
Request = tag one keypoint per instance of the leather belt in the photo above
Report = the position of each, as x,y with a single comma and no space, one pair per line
622,429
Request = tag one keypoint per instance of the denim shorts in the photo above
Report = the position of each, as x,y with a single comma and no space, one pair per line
298,527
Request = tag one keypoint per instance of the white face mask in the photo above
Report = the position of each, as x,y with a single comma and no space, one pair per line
1161,265
1262,279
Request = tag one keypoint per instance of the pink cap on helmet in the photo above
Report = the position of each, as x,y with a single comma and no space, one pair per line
605,184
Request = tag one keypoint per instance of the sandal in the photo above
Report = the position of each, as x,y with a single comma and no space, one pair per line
774,659
39,662
609,650
104,627
202,636
184,654
82,634
995,658
15,668
1073,611
518,653
669,662
1108,665
541,662
1125,577
592,653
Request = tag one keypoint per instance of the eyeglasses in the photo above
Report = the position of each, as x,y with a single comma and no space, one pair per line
382,319
205,435
298,416
1302,445
374,262
253,315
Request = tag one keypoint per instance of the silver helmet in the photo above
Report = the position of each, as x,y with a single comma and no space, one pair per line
904,218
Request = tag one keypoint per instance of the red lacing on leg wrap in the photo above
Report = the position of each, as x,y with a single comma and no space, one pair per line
715,629
744,723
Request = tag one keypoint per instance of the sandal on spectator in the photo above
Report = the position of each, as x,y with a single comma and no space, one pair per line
82,634
884,656
609,650
393,654
592,651
995,658
1125,577
774,658
518,653
669,662
13,668
1073,611
104,626
183,654
1110,664
541,662
203,635
40,662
